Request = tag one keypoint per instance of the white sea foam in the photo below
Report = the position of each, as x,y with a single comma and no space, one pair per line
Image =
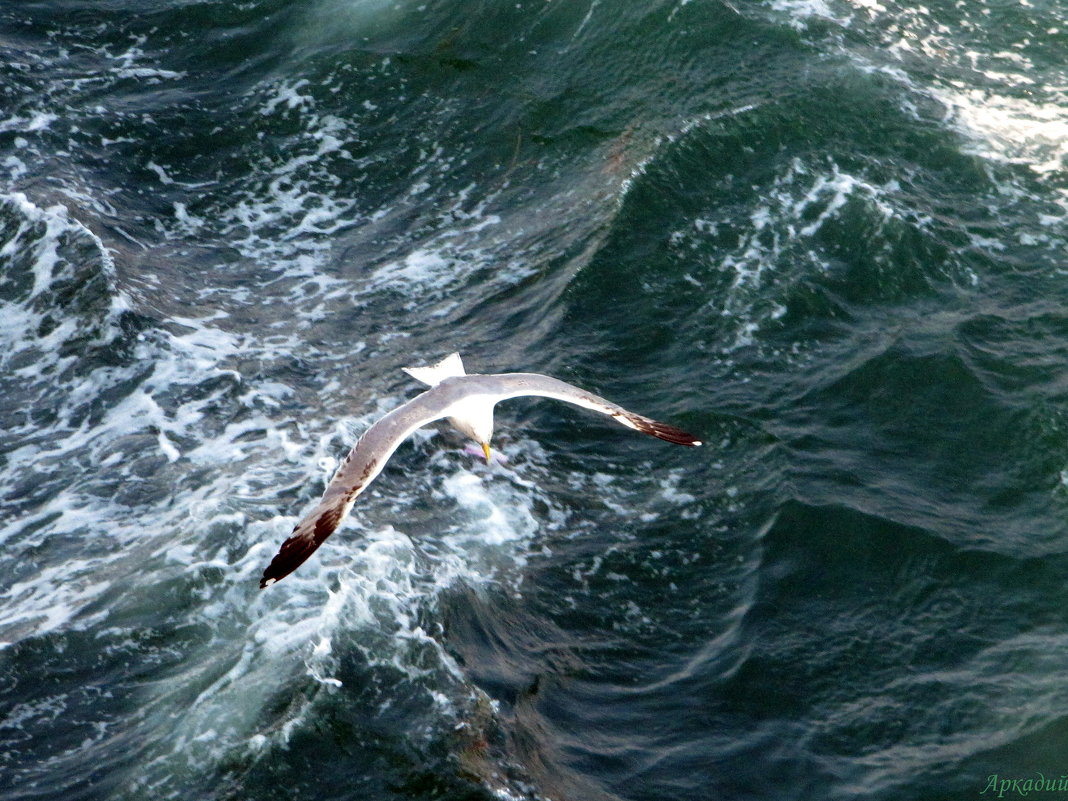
1012,130
48,601
494,513
131,64
992,96
779,239
55,595
800,11
37,121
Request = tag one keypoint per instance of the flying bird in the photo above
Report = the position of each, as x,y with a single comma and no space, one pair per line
467,401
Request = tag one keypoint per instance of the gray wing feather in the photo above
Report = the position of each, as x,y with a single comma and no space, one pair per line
364,462
514,385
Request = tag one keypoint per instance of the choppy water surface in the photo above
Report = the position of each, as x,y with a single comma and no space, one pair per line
829,235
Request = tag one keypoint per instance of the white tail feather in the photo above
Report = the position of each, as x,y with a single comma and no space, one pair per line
448,367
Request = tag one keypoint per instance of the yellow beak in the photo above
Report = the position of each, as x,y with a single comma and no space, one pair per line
486,450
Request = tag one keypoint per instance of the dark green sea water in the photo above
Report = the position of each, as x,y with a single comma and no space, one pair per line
829,236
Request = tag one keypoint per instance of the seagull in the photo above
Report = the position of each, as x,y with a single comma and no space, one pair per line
467,401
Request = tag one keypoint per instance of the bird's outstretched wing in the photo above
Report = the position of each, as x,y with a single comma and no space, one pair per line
514,385
365,461
369,455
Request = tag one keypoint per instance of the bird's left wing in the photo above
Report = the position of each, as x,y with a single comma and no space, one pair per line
514,385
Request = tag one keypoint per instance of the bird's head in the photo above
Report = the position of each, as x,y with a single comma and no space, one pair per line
475,420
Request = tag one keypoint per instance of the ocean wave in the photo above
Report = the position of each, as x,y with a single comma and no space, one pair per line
788,225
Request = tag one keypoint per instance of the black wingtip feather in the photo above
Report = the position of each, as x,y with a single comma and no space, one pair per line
307,536
668,433
293,553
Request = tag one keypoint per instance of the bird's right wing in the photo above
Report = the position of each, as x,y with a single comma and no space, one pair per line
365,461
514,385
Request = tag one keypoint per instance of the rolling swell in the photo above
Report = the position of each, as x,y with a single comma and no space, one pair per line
910,609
